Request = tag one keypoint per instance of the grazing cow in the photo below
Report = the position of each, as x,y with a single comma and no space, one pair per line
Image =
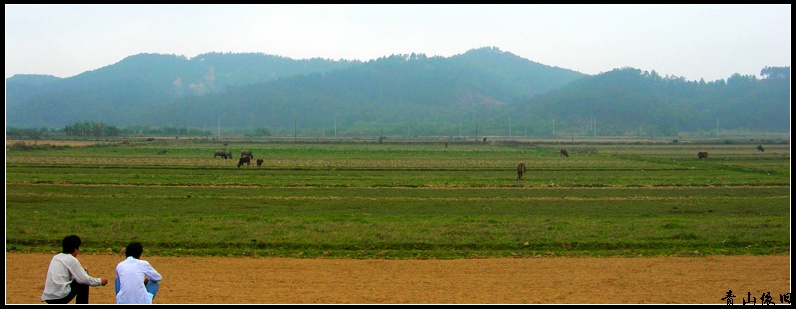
564,153
246,153
259,162
702,155
220,153
229,155
161,152
760,148
244,160
520,170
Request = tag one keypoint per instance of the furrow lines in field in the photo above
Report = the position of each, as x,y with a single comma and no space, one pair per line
425,187
362,198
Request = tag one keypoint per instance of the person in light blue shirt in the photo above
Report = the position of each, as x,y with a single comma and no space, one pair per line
136,280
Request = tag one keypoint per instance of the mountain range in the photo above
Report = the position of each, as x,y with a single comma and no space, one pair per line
484,89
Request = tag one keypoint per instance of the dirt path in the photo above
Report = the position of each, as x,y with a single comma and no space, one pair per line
203,280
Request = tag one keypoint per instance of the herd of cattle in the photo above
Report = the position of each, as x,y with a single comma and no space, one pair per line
521,167
246,157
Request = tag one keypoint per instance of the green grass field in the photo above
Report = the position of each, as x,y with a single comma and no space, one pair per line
361,199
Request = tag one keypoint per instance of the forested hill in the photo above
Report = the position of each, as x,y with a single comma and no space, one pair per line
430,94
625,100
497,90
122,93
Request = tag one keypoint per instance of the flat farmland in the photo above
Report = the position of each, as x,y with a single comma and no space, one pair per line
360,222
401,200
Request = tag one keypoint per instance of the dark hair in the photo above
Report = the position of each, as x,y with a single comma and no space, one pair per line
70,243
134,249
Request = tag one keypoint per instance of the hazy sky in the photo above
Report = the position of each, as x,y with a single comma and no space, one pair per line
691,41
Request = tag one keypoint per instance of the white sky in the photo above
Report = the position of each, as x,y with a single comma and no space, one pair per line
691,41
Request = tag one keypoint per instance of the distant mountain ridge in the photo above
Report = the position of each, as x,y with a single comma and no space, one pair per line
430,95
141,82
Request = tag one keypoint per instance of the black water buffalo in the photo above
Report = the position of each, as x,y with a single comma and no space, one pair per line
220,153
246,153
161,152
259,162
564,152
760,148
520,170
702,155
244,160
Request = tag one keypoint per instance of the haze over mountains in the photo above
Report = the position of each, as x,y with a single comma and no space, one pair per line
497,91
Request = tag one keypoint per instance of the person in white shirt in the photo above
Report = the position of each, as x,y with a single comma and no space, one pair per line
136,280
66,278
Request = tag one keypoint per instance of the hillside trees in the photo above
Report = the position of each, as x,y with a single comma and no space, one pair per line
90,128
